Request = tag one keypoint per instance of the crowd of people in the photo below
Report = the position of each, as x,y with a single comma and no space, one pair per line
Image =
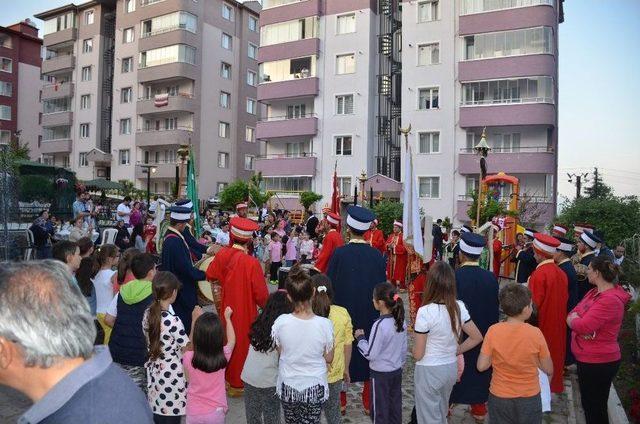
125,323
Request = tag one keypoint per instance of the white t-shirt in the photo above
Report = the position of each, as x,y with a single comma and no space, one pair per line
222,238
442,344
127,210
104,289
303,343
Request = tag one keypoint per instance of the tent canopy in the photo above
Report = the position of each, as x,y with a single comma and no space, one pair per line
102,184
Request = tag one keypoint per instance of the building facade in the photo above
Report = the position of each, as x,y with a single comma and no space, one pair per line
19,84
149,76
472,64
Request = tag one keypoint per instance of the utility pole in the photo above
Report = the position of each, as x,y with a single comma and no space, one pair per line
579,180
595,183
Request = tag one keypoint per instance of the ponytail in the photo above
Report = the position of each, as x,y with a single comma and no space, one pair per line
389,295
164,284
323,298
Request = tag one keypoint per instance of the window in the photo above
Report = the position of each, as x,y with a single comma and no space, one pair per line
87,45
345,64
428,98
6,41
225,100
428,54
124,156
344,185
344,104
85,101
169,22
429,187
6,88
471,141
428,142
284,32
5,113
5,137
125,126
521,90
224,129
296,111
86,73
253,23
62,22
84,131
56,133
62,104
227,41
298,149
82,159
251,106
509,43
6,64
288,69
346,24
89,17
170,54
471,185
250,135
428,11
505,143
221,186
479,6
548,186
223,160
252,78
127,35
170,123
127,65
129,6
248,162
343,145
225,70
227,12
253,51
126,95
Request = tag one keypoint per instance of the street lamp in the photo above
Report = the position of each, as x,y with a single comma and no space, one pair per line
148,169
482,149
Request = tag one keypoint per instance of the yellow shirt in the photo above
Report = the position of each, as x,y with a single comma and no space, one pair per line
342,335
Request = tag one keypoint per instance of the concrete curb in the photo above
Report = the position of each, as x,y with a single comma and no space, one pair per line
617,413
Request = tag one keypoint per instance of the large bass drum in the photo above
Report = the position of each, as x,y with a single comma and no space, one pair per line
208,292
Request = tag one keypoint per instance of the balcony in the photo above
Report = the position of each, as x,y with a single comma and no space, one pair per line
172,137
528,160
163,170
168,71
508,19
55,91
541,206
58,64
290,89
281,126
57,119
508,114
507,67
178,103
285,166
48,147
66,35
167,37
290,11
293,49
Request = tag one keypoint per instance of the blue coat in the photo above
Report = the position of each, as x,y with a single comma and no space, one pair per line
355,269
197,249
478,289
176,258
572,278
525,264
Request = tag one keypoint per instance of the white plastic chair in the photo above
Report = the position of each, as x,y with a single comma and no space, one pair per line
30,251
109,236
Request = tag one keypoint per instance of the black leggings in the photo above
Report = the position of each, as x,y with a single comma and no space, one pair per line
273,270
166,419
595,383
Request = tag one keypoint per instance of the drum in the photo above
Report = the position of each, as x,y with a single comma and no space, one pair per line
208,293
283,273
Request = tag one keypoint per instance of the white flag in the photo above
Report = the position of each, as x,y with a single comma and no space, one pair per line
411,208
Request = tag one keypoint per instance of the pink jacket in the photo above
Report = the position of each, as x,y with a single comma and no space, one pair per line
594,335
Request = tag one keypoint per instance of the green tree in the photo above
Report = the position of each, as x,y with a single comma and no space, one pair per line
598,189
387,211
489,209
36,187
259,196
308,198
233,194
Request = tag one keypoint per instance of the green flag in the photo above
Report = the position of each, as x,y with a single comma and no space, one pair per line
192,192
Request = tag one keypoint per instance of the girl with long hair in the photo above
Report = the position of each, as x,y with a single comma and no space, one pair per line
260,371
305,343
124,273
166,340
204,368
107,258
440,322
84,276
386,351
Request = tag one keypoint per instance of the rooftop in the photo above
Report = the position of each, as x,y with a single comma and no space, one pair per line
73,7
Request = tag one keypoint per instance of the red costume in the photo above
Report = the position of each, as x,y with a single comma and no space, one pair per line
375,238
397,264
549,292
244,289
331,241
497,257
149,235
416,291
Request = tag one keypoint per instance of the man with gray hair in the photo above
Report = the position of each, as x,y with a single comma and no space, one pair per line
47,352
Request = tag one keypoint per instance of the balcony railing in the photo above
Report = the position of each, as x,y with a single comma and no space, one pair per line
507,199
268,4
148,2
522,149
163,30
148,130
287,156
153,97
492,102
266,79
287,118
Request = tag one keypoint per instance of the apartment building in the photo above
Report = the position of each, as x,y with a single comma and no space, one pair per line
152,75
19,83
471,64
318,81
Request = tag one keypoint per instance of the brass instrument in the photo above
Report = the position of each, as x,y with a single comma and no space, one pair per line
581,269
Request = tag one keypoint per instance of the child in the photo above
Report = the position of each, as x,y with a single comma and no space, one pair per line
439,323
125,313
305,344
275,254
386,354
260,371
306,248
124,274
316,250
166,340
204,368
266,256
343,336
515,350
107,259
291,254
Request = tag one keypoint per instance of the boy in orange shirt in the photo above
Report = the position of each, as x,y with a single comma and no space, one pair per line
515,350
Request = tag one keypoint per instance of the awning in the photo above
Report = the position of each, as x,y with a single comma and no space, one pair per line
98,156
102,184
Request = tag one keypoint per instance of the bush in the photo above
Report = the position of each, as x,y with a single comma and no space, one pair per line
36,187
233,194
308,198
386,212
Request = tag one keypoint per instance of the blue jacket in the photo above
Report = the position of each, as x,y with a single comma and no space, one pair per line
127,344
